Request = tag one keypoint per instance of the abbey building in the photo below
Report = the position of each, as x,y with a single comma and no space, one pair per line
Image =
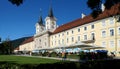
102,32
43,32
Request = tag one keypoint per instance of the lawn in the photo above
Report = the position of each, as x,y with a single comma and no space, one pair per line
26,60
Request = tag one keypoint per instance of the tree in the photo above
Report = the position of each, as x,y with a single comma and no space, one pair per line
95,5
16,2
6,47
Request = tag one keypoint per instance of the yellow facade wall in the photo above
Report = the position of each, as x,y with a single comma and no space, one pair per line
65,38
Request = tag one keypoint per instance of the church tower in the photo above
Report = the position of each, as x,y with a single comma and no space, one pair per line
39,25
50,21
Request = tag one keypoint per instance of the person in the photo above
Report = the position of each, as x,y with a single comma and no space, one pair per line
112,54
63,55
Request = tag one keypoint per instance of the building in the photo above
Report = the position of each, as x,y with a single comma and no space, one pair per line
27,45
103,31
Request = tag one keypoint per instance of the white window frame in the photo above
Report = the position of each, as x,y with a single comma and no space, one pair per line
118,30
103,34
85,37
85,28
92,35
103,44
78,29
111,20
67,40
72,39
111,43
112,34
78,37
63,41
103,23
92,26
119,43
72,32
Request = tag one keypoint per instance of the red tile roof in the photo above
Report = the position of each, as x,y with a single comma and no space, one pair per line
87,19
28,40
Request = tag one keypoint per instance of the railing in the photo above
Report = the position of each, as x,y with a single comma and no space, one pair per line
90,40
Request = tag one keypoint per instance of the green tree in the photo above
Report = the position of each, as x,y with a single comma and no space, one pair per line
6,47
95,5
16,2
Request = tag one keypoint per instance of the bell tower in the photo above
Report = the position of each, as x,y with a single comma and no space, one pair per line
50,21
39,25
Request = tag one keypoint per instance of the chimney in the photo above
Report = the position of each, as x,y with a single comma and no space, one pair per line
102,7
83,15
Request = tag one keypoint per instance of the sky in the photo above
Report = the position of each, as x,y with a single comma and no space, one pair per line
17,22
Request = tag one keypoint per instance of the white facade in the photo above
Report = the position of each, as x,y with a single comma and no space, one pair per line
42,36
27,46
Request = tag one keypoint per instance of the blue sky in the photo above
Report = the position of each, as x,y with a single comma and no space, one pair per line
17,22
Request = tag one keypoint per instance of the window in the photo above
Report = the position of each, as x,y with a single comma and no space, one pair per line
85,37
45,43
118,43
72,39
78,29
40,40
55,42
103,33
59,35
93,36
72,31
78,38
111,21
59,41
111,43
63,41
52,43
103,44
67,33
119,31
92,26
67,40
63,34
37,30
111,32
85,28
103,23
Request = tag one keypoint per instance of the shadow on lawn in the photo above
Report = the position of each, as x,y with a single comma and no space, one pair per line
96,64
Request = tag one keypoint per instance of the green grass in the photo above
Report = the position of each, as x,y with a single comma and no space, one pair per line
73,56
26,60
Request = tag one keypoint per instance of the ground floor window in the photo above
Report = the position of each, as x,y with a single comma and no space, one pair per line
111,44
118,43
